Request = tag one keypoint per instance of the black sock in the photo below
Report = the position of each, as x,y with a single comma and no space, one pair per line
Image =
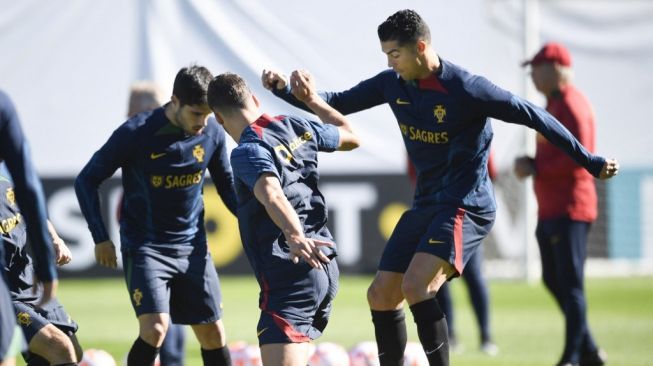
216,357
66,364
432,331
141,353
390,332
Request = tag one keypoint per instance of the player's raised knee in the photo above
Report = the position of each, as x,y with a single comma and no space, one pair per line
53,344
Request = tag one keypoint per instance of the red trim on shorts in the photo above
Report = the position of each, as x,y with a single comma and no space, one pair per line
458,239
264,289
288,330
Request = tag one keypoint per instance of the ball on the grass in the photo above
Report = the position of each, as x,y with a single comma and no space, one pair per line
329,354
414,355
243,354
364,354
97,357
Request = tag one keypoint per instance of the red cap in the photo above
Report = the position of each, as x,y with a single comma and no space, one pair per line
551,52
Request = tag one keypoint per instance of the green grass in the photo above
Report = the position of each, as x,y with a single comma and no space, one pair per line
526,324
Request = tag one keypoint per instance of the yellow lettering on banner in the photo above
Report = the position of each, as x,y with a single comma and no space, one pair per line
389,217
221,230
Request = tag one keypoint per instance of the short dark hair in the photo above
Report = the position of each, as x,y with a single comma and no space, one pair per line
228,91
404,26
191,84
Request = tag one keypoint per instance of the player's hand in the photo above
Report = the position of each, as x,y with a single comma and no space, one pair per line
273,79
105,254
610,169
62,253
524,166
49,290
309,250
302,85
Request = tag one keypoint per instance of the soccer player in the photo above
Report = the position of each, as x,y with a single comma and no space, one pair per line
169,272
145,96
443,114
567,202
49,331
14,151
281,213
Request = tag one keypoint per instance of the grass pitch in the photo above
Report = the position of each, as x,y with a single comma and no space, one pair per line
526,324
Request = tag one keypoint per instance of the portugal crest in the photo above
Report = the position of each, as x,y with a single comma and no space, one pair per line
24,319
137,296
11,196
198,153
157,180
440,113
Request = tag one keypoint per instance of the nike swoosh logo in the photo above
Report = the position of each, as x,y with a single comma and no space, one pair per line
261,331
433,241
401,101
437,348
156,156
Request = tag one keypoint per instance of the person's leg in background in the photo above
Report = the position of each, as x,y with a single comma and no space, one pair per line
480,297
172,350
570,253
446,305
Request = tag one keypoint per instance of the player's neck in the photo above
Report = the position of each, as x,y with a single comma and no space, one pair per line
430,64
239,121
170,112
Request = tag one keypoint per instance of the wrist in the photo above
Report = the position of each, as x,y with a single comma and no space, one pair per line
294,237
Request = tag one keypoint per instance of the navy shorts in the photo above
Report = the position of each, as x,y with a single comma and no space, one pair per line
185,286
11,339
448,232
295,300
31,319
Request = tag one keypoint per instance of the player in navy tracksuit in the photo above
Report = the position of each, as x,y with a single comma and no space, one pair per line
49,331
29,195
169,272
281,213
443,114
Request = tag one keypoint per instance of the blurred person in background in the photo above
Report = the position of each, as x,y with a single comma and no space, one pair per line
145,96
28,193
48,329
169,272
443,114
567,202
282,215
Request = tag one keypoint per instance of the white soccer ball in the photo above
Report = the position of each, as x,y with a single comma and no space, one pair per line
97,357
414,355
364,354
329,354
243,354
